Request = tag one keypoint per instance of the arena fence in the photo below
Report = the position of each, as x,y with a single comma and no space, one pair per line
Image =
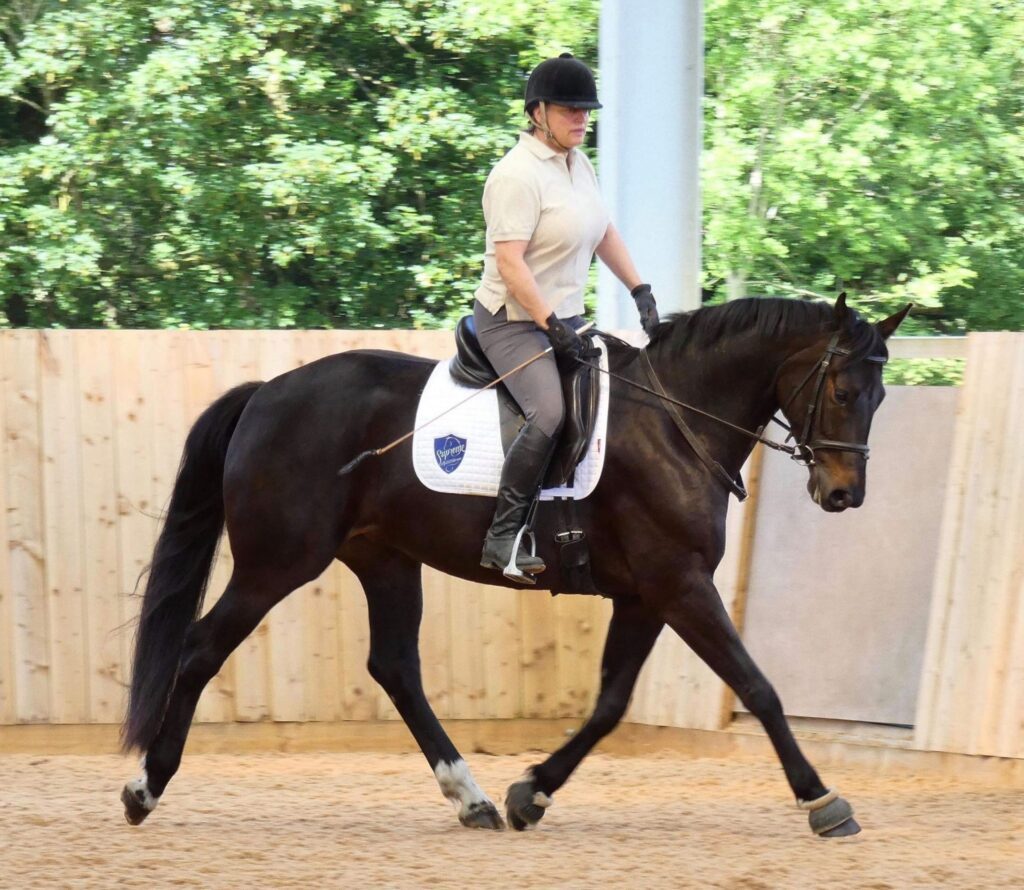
92,424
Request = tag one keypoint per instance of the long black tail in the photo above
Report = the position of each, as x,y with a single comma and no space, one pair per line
181,566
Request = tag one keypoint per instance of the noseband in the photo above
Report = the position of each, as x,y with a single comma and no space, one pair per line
805,447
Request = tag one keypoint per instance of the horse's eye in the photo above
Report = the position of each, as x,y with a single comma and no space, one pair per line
842,396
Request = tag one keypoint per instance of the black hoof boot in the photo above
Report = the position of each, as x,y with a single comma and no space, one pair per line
831,816
524,804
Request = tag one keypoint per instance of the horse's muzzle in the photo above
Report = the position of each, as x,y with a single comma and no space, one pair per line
834,495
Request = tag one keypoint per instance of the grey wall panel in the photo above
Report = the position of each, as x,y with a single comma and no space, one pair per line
837,605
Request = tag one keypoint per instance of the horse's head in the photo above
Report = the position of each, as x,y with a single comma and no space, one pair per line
829,392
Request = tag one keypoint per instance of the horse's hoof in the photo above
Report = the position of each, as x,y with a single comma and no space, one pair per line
847,829
524,804
834,818
135,799
482,815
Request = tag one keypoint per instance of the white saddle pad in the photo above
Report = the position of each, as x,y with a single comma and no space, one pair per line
461,452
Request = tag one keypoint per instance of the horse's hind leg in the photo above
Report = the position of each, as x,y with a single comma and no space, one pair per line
699,617
208,644
394,596
631,636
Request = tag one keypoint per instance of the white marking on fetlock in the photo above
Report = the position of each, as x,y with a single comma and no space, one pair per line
542,800
459,786
142,784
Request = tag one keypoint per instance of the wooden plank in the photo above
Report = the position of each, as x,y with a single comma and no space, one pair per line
8,705
323,654
960,657
539,655
107,671
26,528
499,667
992,732
579,649
138,519
62,543
1008,737
468,687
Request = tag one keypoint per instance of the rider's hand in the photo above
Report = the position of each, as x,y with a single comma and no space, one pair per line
564,339
648,309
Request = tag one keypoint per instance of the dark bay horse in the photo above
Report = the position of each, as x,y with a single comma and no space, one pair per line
263,460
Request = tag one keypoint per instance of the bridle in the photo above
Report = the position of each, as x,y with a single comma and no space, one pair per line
804,447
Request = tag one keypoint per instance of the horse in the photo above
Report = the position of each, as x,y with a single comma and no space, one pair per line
263,460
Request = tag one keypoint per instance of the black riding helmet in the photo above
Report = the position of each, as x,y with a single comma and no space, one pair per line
562,81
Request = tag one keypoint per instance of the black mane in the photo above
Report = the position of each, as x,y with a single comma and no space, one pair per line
767,317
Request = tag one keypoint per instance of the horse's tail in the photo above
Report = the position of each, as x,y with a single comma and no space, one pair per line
181,566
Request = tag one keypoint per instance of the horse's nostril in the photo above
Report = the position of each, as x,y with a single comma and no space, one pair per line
840,498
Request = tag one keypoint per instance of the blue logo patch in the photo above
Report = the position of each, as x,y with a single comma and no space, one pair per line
449,451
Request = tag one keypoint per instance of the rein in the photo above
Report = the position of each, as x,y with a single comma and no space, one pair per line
803,449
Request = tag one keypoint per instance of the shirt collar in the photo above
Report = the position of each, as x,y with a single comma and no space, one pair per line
538,148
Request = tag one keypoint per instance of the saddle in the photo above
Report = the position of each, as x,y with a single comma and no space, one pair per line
580,391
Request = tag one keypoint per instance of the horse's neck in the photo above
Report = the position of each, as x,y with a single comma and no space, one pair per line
734,381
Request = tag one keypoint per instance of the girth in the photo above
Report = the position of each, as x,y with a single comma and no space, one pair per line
580,392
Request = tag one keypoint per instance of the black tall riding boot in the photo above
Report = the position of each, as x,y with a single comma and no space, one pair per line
521,476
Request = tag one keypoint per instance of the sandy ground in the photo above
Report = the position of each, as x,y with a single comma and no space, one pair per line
367,820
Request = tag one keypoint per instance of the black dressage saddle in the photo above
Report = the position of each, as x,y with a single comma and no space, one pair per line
580,389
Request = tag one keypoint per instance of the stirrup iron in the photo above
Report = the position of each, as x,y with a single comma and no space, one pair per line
512,571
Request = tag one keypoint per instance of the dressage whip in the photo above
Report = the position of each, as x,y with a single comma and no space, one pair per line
377,452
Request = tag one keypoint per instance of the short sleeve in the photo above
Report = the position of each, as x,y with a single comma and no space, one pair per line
511,208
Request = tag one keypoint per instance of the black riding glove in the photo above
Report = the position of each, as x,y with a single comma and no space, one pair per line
646,306
564,339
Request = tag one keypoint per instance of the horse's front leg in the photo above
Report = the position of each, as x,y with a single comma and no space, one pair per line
631,635
699,617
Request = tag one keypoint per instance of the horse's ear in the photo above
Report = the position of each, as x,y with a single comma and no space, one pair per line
887,326
843,313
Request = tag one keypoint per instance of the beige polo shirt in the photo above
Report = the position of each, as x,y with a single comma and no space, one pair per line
533,195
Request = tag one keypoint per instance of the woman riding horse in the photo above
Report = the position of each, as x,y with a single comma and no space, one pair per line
545,220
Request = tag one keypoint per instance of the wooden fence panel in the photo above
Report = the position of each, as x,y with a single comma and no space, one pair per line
972,690
91,430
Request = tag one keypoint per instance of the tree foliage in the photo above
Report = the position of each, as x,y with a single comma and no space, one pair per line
256,162
320,163
871,145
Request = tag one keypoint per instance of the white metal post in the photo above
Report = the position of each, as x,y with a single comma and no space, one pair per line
649,138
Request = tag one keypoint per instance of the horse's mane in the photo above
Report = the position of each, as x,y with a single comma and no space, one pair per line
766,317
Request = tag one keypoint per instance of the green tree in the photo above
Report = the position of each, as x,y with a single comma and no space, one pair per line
256,162
871,145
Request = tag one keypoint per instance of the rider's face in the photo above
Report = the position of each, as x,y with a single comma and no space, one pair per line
568,124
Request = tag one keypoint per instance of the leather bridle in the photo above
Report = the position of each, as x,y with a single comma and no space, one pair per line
805,447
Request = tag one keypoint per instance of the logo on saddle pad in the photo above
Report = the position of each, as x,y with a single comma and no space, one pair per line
449,451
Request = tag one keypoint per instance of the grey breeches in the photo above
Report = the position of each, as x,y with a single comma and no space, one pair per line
536,388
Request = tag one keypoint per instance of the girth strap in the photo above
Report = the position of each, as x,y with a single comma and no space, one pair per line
734,485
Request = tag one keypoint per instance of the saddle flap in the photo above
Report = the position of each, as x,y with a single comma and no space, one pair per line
581,392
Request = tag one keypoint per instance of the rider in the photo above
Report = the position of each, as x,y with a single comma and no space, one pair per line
545,221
